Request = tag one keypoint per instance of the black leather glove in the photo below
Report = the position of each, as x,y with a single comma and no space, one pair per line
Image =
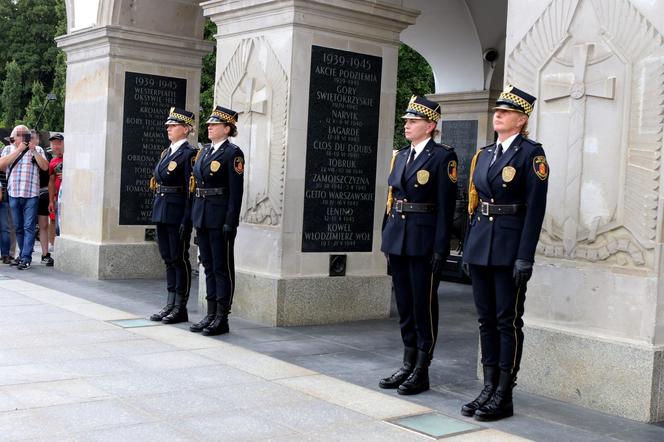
465,267
522,272
229,232
437,263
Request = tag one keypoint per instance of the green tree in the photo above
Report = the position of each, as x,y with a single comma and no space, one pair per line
30,34
37,103
12,88
7,13
414,77
207,82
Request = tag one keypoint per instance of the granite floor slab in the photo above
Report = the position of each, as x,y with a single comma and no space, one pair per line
362,351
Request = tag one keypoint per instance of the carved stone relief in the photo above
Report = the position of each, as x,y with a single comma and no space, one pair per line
255,84
598,70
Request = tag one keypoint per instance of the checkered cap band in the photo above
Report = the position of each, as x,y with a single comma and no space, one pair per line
223,116
518,101
424,110
185,119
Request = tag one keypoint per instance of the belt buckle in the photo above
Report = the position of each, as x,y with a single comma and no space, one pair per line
158,189
399,206
198,192
484,208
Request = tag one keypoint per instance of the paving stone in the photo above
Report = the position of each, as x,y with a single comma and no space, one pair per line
313,416
25,424
138,433
352,397
88,416
45,394
235,426
170,359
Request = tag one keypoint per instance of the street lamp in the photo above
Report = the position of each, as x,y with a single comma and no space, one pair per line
49,97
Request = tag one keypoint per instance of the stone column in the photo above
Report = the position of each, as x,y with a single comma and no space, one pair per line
595,307
264,70
466,125
94,243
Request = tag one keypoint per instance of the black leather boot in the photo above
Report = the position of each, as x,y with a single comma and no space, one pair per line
220,324
490,383
500,405
398,377
179,312
207,320
170,303
418,381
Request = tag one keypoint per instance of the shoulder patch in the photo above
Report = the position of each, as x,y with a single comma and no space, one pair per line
452,171
541,167
238,165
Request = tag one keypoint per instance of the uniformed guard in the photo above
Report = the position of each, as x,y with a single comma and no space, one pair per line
217,188
507,200
171,213
416,239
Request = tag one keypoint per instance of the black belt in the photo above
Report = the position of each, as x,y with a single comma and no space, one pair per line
500,209
400,206
210,191
169,189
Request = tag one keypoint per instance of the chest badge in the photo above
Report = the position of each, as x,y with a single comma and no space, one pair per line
215,165
508,173
172,165
422,176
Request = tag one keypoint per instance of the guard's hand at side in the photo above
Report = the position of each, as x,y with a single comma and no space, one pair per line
437,263
465,267
522,272
229,232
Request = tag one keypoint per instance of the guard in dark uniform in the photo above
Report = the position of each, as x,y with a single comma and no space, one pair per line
217,188
416,239
171,213
507,201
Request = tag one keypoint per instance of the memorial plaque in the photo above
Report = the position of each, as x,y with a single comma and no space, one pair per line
342,143
147,101
462,136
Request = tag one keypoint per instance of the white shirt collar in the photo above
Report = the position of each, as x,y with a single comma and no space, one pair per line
218,145
419,147
508,142
175,146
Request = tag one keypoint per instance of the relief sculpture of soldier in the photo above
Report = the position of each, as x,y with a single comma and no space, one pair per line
217,186
507,201
171,213
416,239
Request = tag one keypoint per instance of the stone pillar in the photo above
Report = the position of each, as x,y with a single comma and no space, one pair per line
466,125
94,243
595,307
264,70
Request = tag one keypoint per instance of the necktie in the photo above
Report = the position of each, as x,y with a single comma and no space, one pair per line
499,153
411,158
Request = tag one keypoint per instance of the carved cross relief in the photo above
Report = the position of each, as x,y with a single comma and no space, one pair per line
577,91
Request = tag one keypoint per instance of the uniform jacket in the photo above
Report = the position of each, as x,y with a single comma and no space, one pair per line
173,208
501,239
422,234
213,212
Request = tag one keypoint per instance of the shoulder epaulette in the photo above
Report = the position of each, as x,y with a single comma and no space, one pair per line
163,153
447,146
484,147
399,149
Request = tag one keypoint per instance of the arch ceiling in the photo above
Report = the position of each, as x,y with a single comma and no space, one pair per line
453,34
174,17
450,34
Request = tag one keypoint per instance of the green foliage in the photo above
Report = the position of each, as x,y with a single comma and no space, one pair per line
54,117
29,27
37,102
414,77
12,88
207,82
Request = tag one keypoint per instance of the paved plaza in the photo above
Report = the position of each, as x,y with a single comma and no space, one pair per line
78,362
